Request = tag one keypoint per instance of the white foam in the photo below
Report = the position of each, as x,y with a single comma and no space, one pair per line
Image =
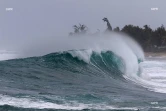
82,55
39,104
153,76
121,45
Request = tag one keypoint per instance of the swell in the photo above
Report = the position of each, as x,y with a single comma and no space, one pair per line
99,64
63,74
82,76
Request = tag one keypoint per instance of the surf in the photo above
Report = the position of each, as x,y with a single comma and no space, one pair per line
104,72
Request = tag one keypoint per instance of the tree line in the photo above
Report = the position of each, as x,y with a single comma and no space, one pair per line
150,40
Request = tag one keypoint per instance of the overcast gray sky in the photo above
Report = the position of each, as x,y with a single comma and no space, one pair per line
55,18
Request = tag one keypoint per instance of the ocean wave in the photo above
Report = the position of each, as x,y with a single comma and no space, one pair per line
102,78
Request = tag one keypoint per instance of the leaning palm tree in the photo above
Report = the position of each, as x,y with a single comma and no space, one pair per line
108,24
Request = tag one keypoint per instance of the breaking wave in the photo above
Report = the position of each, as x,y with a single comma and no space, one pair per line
107,74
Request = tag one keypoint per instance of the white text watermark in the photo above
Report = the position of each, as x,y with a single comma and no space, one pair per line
9,9
154,9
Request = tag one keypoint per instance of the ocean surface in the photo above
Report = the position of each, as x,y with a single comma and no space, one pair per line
69,80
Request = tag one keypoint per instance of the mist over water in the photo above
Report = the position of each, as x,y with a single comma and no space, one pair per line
43,45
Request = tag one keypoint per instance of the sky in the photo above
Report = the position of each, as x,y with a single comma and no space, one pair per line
37,20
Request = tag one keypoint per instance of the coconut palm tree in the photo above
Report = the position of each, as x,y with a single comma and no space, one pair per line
76,29
82,28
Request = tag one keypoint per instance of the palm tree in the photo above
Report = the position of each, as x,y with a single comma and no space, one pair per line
76,29
108,24
82,28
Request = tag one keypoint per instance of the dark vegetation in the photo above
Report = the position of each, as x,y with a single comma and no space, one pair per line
150,40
